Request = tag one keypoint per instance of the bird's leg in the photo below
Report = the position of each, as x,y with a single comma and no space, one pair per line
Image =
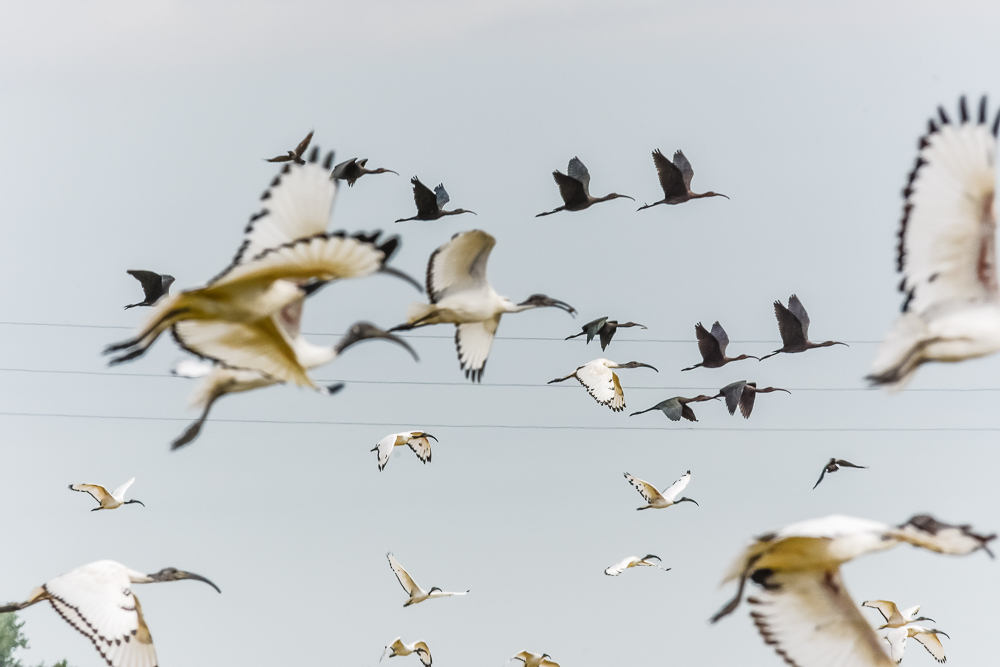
691,368
571,375
644,206
192,431
575,335
555,210
731,606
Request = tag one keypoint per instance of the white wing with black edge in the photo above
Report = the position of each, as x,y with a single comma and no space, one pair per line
602,383
645,489
675,489
473,341
459,265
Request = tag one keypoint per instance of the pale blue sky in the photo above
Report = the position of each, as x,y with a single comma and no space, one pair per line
132,138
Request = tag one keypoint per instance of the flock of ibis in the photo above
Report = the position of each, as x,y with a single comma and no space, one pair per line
242,329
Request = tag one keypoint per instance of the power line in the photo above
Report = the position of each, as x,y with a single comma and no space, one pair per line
543,427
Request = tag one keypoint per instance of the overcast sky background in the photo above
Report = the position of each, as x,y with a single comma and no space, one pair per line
133,137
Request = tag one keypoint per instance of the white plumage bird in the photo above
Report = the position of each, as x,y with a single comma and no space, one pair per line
98,601
461,294
601,382
398,648
417,440
534,659
107,501
946,252
633,561
657,500
896,639
803,608
894,618
416,593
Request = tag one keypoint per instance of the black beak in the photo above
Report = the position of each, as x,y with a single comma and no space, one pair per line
366,331
197,577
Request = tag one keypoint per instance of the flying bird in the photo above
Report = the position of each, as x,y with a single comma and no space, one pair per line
712,345
154,286
534,659
803,609
659,500
353,169
461,294
604,328
833,466
633,561
105,500
894,618
97,600
430,205
677,407
946,252
574,188
296,155
793,325
417,440
416,593
896,638
675,179
602,382
397,648
742,394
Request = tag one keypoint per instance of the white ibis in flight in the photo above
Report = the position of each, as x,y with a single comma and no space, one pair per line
675,179
295,155
97,600
802,607
534,659
154,286
634,561
461,294
896,639
603,328
946,251
353,169
658,500
677,407
398,648
574,188
415,593
894,618
430,205
105,500
712,345
741,394
833,465
602,382
793,325
418,441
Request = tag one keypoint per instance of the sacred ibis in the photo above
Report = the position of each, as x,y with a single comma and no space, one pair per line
712,345
896,639
946,252
430,205
793,325
461,294
416,593
417,440
675,179
741,394
894,618
605,329
397,648
97,600
295,155
834,465
154,286
633,561
677,407
353,169
534,659
657,500
601,382
802,607
105,500
574,188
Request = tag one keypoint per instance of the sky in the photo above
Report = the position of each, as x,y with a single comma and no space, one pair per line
133,137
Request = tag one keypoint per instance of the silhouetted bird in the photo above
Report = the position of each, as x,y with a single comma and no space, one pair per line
675,179
604,328
574,188
353,169
154,286
429,204
833,466
296,155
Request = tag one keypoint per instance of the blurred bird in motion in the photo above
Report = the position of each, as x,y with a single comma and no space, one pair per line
295,155
353,169
833,465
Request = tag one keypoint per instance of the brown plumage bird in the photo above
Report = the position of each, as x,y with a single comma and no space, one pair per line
604,328
353,169
296,155
741,394
430,204
574,188
712,346
675,179
793,324
677,407
154,286
833,466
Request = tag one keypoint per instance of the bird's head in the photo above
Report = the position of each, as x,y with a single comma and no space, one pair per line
648,556
365,331
542,301
421,434
688,500
173,574
166,281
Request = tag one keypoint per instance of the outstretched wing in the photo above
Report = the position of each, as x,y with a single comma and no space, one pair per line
422,448
152,283
708,345
98,492
675,489
618,567
120,491
645,489
474,341
732,393
799,311
425,200
441,195
405,580
671,179
424,653
460,264
672,408
887,608
682,164
719,334
571,190
576,170
339,172
932,643
384,449
896,640
602,384
791,329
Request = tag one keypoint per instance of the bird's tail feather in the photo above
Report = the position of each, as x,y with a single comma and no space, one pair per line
900,354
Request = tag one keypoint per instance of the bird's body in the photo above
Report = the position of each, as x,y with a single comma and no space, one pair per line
353,169
534,659
833,465
461,294
634,561
894,618
658,500
741,394
398,648
294,155
98,601
574,188
896,639
677,407
793,325
605,329
418,441
415,593
802,607
712,345
946,252
675,180
105,500
430,204
154,286
602,382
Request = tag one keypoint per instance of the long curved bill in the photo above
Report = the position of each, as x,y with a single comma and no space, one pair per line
404,276
366,331
196,577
